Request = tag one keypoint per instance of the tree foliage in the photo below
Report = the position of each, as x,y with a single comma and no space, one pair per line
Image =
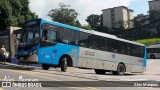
94,21
154,15
86,26
14,13
64,14
144,27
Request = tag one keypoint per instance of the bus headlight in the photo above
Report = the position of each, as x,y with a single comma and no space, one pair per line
34,52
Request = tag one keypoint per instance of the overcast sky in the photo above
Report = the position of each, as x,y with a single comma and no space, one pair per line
86,7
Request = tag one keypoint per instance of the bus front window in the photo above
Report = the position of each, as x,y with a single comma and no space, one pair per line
30,36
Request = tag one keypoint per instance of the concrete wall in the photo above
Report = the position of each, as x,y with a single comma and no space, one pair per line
154,5
118,14
12,40
107,18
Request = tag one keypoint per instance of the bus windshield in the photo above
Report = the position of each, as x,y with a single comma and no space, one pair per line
30,36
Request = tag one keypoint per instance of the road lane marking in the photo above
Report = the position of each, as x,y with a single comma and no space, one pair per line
68,75
33,74
150,61
60,75
1,88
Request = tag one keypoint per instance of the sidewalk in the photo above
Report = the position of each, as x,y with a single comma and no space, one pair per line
153,67
8,65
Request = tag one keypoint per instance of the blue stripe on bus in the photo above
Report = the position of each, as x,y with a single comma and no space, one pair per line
145,57
60,24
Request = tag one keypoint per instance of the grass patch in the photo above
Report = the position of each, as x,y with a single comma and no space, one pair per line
149,41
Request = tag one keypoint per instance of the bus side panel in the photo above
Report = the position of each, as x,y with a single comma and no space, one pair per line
125,59
109,61
87,58
137,64
52,54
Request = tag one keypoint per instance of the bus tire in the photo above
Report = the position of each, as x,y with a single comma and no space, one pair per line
98,71
152,56
120,70
45,66
64,64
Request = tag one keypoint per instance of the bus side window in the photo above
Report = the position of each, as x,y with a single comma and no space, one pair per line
49,36
135,50
141,51
76,38
158,50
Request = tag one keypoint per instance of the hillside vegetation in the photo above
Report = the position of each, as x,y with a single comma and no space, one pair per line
149,41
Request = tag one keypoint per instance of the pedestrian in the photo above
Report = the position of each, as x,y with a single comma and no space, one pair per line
3,51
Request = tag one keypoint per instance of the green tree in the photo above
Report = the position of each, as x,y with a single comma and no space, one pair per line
87,27
64,14
154,15
78,24
14,13
94,21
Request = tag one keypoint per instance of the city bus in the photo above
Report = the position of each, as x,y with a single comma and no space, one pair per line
153,51
55,44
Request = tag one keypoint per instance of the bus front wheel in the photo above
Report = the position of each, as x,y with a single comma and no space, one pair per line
64,64
98,71
45,66
120,70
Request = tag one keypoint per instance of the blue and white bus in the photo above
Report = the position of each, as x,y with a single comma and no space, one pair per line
55,44
153,51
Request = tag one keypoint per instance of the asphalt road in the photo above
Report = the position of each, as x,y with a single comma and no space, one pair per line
78,78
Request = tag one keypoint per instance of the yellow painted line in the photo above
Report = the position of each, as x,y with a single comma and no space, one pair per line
65,75
51,74
33,74
1,88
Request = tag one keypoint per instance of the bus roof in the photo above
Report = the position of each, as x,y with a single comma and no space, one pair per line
154,46
93,32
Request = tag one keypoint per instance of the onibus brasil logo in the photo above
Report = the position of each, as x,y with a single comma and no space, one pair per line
20,82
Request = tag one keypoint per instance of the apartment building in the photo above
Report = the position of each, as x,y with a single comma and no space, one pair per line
143,19
154,5
117,17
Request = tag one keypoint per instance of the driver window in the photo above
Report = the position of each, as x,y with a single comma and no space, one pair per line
44,35
49,36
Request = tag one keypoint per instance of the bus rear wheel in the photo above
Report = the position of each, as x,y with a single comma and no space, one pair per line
120,70
99,71
152,56
64,64
45,66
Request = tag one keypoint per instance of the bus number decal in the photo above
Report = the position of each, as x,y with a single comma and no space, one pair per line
88,53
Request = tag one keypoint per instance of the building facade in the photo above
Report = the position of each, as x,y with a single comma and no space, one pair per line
118,17
141,19
154,5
